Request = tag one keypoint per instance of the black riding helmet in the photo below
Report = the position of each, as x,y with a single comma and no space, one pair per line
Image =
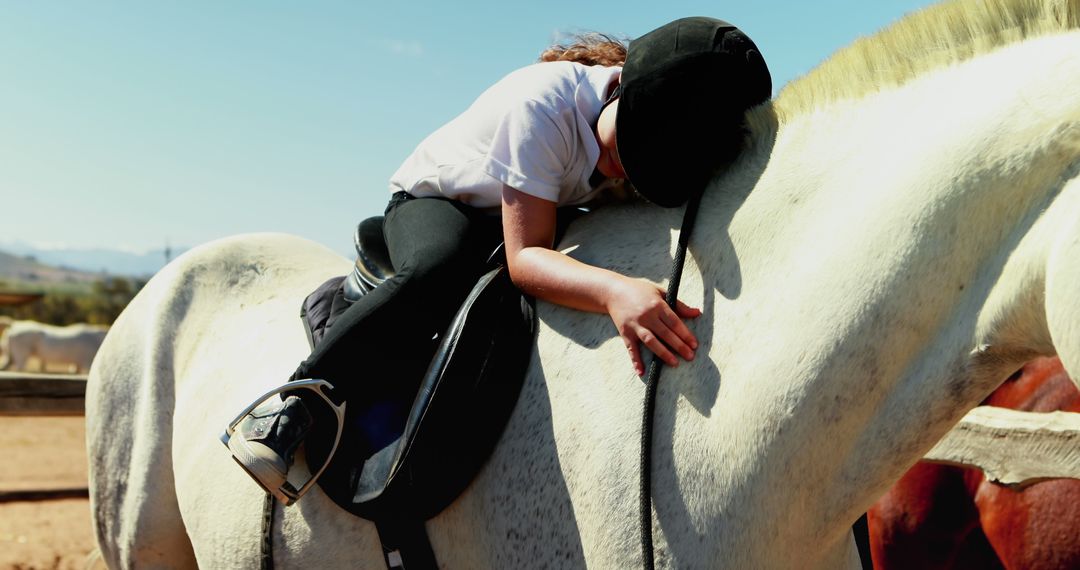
684,93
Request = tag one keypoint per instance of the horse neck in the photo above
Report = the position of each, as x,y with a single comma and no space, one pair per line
847,286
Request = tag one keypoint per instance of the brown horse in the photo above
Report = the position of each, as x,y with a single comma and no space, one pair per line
939,516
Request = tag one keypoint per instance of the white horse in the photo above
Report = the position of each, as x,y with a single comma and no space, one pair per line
72,346
5,324
902,232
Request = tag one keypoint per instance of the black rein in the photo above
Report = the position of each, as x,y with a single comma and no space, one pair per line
653,381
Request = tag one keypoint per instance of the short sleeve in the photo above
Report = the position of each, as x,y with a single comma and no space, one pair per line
530,150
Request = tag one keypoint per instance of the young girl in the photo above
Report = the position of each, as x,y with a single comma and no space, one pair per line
664,114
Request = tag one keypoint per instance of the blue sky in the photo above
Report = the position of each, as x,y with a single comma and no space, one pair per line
131,124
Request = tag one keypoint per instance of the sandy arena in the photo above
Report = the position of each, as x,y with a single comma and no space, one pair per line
44,453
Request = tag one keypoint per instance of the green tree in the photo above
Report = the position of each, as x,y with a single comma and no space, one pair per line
101,305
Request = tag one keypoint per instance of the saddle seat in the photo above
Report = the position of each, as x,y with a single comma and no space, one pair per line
373,264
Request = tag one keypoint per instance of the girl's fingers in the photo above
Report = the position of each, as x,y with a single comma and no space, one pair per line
677,336
635,355
652,342
661,330
683,340
686,311
680,329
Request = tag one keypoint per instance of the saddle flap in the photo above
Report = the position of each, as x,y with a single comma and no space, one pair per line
472,349
443,435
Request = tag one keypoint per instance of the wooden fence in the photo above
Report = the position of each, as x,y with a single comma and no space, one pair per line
26,394
1013,447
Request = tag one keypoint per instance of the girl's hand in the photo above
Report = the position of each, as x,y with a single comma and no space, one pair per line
636,306
642,316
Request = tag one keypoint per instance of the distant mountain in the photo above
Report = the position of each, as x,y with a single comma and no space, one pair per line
94,261
29,270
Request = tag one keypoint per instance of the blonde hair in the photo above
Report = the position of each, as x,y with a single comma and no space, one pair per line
925,40
590,48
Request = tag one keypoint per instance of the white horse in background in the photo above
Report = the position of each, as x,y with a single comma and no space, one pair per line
72,346
902,232
5,324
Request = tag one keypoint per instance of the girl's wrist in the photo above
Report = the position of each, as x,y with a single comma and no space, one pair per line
613,290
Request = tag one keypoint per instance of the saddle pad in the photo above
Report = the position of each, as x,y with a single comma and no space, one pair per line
321,307
412,452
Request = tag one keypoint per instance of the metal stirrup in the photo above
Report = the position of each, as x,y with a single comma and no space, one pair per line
291,493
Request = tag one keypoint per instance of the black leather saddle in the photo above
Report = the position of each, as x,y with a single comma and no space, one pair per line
406,455
415,450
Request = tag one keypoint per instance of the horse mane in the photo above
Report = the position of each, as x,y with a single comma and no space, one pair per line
922,41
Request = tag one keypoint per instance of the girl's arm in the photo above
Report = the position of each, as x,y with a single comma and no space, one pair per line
636,306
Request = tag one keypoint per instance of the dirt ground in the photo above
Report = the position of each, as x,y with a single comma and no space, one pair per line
44,453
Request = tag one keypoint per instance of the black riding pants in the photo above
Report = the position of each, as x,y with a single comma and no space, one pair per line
439,249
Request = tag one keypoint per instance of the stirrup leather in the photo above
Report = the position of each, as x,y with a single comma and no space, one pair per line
288,493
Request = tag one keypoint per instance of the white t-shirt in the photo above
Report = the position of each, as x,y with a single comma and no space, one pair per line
533,131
